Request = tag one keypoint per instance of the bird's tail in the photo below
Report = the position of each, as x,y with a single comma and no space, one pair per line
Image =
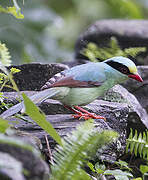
38,97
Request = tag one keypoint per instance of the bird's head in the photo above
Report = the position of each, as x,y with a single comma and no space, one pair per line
125,66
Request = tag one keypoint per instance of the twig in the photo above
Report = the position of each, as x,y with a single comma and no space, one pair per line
49,151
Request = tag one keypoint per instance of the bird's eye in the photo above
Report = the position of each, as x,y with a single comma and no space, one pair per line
124,70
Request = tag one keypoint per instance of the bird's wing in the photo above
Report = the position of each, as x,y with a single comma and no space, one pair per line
86,75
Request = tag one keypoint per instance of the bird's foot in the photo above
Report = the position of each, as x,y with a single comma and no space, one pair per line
87,116
83,114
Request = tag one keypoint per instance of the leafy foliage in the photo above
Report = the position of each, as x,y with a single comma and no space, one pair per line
32,39
33,111
6,76
13,11
93,52
144,171
144,168
77,148
138,144
53,26
4,55
119,174
31,108
100,170
123,165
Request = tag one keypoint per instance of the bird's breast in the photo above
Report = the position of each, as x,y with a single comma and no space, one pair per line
82,96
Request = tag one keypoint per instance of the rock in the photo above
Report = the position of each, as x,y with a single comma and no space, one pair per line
47,106
129,33
137,117
34,76
140,90
116,119
27,160
12,170
27,138
115,113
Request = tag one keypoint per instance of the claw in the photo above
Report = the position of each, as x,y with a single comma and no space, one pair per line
81,116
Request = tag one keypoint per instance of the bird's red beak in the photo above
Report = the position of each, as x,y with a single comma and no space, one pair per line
136,77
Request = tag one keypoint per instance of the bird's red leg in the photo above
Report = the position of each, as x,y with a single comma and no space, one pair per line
70,108
79,114
83,114
88,114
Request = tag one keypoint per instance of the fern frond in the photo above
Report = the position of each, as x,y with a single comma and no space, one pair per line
134,51
4,55
138,144
93,52
77,148
90,51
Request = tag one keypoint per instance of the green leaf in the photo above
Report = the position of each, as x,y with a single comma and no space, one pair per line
4,125
15,12
134,51
91,166
136,148
33,111
14,70
100,168
12,10
119,174
141,145
123,165
99,171
128,140
144,168
138,143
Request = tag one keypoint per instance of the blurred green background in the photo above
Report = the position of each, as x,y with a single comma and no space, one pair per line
50,28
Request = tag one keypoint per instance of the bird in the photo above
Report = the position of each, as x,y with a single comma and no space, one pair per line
82,84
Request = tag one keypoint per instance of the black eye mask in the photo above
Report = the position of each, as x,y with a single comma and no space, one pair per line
119,67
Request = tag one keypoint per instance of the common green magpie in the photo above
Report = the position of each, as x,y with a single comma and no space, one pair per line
82,84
